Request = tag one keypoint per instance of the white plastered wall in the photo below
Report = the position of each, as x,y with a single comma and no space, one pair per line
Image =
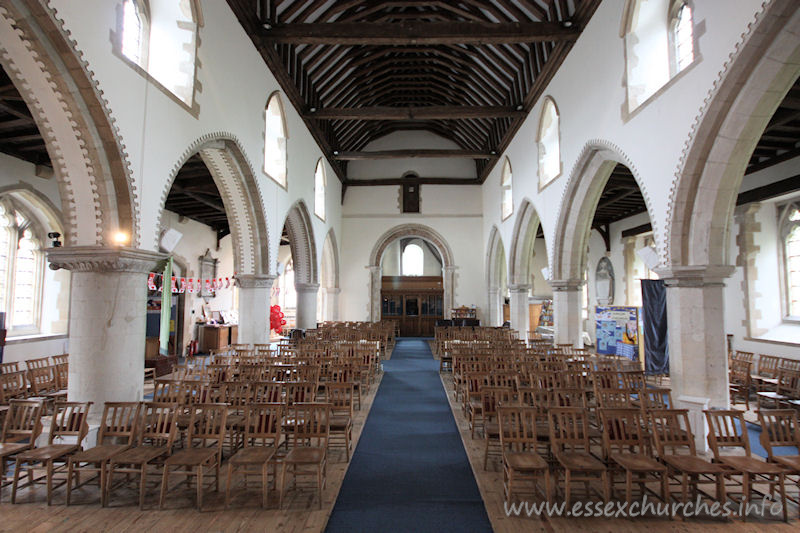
234,84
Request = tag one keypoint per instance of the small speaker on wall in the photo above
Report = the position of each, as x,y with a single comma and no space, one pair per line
170,239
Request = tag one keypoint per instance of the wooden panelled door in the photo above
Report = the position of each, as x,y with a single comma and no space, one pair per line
416,302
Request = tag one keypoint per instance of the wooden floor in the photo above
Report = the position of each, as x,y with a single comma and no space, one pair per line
301,513
490,483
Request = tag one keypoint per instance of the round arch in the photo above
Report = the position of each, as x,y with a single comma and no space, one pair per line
726,132
329,279
495,270
410,230
92,170
574,223
523,240
234,177
302,245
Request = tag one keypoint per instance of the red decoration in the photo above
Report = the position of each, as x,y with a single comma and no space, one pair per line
151,281
276,321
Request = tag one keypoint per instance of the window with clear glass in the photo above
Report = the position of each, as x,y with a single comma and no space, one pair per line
791,256
413,263
21,271
132,32
319,190
275,141
682,37
549,144
507,207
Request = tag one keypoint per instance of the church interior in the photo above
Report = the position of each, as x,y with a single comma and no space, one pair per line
399,265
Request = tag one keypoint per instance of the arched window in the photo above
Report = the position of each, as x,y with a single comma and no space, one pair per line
549,144
507,198
21,270
275,141
133,32
681,37
790,237
413,263
168,28
320,182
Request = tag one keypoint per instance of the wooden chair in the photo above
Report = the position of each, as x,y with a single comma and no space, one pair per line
69,422
727,429
569,440
308,444
8,368
203,452
13,385
519,444
154,444
786,389
674,443
781,427
61,359
340,398
626,444
116,434
262,437
21,427
492,398
741,381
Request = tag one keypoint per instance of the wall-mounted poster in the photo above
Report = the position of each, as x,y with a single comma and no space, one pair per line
618,331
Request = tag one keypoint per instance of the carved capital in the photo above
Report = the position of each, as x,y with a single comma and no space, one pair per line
103,259
695,275
254,281
566,285
306,287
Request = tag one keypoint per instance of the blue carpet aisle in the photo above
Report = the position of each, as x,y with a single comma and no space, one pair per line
410,471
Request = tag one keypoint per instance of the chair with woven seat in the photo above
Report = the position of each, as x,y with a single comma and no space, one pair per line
262,437
21,427
569,441
203,452
115,435
519,443
675,446
340,398
727,429
69,422
625,443
156,438
308,444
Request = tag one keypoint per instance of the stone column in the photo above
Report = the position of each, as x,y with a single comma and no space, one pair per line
749,228
495,307
449,286
108,311
332,312
306,305
375,293
698,357
567,319
254,300
520,309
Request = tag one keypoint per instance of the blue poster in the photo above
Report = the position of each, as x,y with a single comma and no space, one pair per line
618,331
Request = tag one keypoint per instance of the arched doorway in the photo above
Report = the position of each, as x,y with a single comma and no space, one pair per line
298,278
328,299
603,190
213,208
411,231
497,279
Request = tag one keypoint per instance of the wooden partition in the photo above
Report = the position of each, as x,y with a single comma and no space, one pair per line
416,302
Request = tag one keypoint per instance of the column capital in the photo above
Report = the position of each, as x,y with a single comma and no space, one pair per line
306,287
695,275
255,281
373,268
333,290
449,269
564,285
521,287
104,259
